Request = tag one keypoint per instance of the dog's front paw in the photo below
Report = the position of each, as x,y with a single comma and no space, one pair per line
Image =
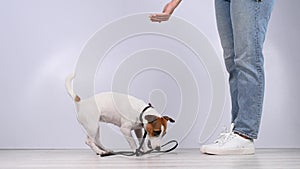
139,152
145,149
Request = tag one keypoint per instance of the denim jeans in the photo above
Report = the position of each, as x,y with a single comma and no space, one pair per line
242,26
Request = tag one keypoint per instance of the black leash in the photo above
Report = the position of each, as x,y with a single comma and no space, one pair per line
138,151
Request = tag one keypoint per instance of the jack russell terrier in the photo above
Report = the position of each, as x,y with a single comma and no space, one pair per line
124,111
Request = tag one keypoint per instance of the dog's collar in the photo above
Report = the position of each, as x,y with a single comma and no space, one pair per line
142,113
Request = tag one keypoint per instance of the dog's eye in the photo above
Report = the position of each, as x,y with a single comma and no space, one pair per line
156,133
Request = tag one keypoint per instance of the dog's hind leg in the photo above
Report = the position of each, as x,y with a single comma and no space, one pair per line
98,142
92,140
91,143
89,119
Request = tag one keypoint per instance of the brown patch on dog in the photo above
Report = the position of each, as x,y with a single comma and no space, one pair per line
155,123
77,99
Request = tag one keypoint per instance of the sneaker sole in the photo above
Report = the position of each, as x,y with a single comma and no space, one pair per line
243,151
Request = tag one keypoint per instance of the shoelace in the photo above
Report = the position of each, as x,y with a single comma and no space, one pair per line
225,135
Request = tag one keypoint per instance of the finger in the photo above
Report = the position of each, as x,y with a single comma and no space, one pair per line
158,20
155,20
163,15
160,17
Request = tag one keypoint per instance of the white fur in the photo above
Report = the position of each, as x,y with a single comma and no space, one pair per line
68,85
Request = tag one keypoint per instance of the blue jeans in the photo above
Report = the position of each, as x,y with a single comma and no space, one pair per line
242,26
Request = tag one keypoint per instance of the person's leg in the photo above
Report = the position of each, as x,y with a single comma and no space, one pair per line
249,22
224,24
242,26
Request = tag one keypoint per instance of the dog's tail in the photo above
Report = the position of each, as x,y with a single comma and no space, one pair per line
69,87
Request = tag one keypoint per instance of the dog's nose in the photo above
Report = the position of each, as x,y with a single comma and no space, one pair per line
156,133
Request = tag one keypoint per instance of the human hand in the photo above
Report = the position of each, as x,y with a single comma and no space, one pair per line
160,17
167,12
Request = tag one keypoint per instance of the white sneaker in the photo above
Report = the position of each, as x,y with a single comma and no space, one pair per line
229,144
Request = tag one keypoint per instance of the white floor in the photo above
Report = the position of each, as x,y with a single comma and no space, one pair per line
182,158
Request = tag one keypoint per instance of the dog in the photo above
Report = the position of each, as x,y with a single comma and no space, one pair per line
127,112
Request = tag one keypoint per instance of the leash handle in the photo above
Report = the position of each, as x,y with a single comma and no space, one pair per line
171,149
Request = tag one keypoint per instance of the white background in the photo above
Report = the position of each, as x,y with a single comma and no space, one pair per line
41,41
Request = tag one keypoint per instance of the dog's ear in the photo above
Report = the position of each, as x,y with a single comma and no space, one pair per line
169,119
150,118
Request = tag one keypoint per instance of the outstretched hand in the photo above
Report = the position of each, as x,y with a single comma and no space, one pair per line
167,12
160,17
